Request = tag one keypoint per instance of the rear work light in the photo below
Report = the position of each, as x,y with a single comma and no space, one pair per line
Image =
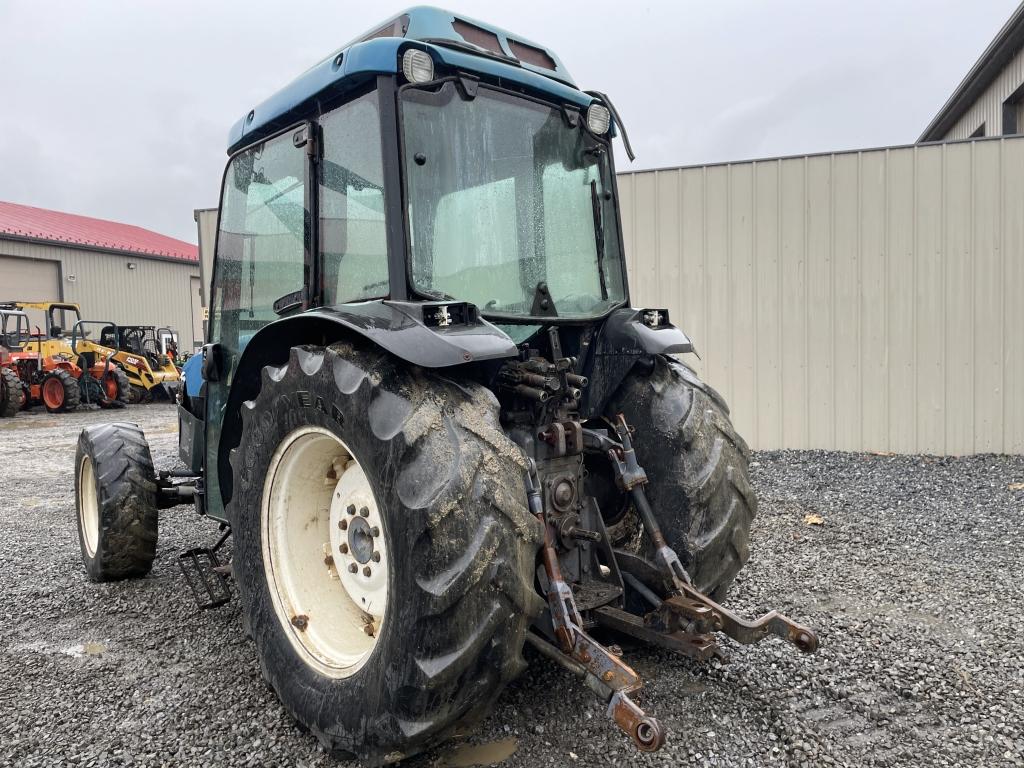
598,119
417,66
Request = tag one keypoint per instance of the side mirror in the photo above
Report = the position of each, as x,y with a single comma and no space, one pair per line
212,362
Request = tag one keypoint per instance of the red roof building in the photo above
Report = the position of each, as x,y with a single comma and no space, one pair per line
40,225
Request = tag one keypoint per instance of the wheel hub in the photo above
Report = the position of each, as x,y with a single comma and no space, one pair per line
360,540
357,545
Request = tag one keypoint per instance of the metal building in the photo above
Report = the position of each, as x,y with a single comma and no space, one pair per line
863,300
990,100
115,272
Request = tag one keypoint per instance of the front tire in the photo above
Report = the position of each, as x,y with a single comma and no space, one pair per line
60,391
459,546
697,469
116,388
115,494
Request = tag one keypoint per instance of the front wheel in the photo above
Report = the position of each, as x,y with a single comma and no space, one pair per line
115,495
116,389
59,391
384,552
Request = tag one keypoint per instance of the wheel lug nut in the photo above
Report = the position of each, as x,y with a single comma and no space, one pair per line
351,509
364,512
366,571
375,557
343,548
343,524
352,568
375,531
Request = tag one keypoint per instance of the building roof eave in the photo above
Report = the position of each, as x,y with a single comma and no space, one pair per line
1002,48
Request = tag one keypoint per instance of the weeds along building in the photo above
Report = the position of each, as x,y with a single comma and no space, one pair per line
115,272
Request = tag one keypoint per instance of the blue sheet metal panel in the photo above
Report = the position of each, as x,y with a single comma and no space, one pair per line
363,60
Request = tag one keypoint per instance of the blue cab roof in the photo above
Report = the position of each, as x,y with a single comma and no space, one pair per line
453,40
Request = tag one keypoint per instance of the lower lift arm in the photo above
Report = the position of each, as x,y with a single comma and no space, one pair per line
604,672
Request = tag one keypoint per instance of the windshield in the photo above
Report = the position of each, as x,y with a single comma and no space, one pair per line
510,206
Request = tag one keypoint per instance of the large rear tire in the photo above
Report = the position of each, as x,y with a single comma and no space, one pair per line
697,469
115,494
12,395
421,475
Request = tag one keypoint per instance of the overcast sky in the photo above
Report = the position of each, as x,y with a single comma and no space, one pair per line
121,109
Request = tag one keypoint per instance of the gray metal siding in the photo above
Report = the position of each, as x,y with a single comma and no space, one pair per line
856,301
154,293
988,109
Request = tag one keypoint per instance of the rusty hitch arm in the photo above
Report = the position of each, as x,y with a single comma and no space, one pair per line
603,671
688,612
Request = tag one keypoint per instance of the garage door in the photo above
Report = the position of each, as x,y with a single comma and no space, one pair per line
28,279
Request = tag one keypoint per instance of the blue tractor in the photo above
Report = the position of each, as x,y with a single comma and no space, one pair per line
428,415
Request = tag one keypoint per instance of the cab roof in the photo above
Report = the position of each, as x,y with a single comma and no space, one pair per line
454,41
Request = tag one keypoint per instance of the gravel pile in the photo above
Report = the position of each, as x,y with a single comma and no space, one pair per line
909,567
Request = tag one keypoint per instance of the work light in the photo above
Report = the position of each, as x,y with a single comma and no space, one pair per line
598,118
417,66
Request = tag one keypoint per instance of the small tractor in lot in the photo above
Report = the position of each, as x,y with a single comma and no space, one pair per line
55,371
428,416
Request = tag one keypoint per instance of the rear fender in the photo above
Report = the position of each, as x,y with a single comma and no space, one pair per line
628,336
431,335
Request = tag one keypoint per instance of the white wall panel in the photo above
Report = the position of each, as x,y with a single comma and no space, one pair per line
857,301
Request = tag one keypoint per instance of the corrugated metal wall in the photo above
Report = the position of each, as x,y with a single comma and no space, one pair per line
988,109
156,292
857,301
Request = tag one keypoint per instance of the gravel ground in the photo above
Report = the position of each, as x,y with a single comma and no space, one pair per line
912,578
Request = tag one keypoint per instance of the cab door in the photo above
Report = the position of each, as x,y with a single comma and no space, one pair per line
262,271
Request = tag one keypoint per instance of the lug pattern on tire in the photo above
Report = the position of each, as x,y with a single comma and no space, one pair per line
451,484
697,469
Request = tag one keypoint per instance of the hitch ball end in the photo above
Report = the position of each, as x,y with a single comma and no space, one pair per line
805,640
648,735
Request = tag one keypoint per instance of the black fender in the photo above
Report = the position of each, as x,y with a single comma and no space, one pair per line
627,337
427,334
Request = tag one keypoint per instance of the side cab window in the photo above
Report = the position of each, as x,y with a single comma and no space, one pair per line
262,241
353,238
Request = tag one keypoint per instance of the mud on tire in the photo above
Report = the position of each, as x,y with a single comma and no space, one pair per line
461,543
115,494
697,466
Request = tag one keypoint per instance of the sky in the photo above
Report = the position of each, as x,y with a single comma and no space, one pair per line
120,109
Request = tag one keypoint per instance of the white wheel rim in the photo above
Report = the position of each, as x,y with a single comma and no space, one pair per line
88,506
324,551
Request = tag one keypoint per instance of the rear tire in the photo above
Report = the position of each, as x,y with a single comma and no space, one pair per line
12,395
60,391
115,494
460,543
697,469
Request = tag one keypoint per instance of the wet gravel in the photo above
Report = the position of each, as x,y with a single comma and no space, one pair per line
912,578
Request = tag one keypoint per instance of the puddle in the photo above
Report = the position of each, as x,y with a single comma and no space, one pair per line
468,755
85,649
